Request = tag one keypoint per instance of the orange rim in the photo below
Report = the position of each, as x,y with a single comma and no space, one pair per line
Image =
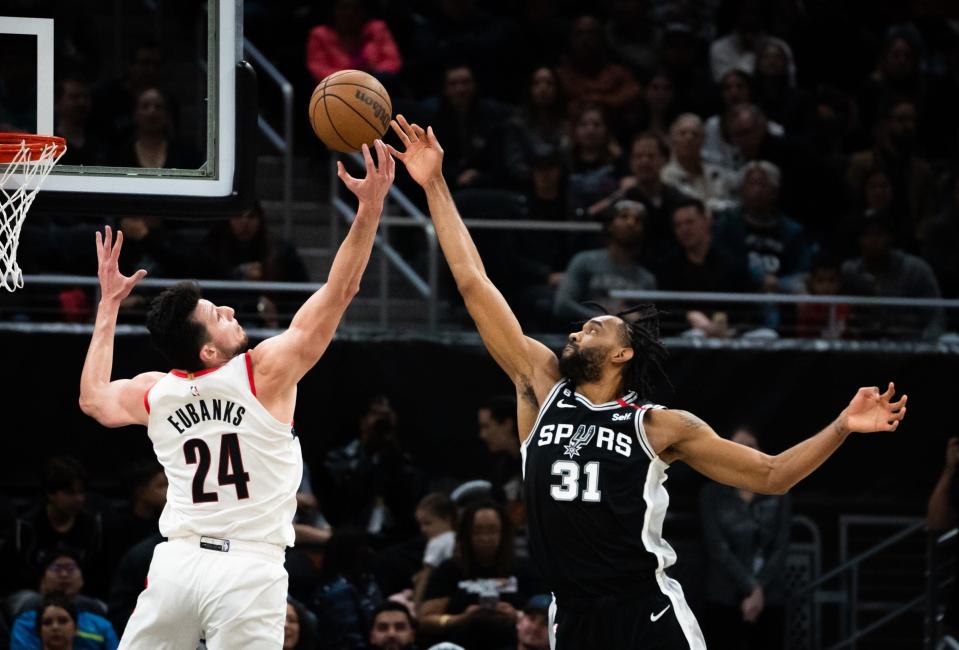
12,143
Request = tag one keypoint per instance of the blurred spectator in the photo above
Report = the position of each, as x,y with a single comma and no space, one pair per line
775,86
658,107
468,125
459,30
393,628
941,517
129,579
61,519
348,595
686,170
532,625
883,269
913,183
588,77
817,320
594,159
749,131
243,248
116,101
940,240
56,622
436,516
739,49
681,53
897,75
153,142
701,265
72,109
539,125
475,594
718,147
353,41
497,428
148,487
309,523
631,35
747,540
369,482
164,253
644,183
298,632
778,252
591,275
63,576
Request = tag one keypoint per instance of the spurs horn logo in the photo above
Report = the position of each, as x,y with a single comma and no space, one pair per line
579,440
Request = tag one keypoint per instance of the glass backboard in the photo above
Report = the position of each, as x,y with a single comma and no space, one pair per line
145,92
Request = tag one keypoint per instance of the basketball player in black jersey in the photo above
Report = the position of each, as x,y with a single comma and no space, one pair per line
595,453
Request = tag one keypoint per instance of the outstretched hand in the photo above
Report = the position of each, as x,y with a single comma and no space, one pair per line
871,410
114,286
373,188
422,153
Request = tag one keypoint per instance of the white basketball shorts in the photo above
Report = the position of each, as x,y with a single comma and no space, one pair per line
233,598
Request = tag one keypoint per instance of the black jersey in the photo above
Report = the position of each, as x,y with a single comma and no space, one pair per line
595,497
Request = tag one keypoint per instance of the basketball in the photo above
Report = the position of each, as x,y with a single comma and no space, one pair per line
350,108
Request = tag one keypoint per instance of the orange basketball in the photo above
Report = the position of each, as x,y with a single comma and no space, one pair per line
349,108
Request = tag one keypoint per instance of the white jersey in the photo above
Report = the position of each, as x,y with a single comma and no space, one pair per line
233,468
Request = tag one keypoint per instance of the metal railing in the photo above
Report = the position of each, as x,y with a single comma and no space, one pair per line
427,288
848,570
284,143
940,575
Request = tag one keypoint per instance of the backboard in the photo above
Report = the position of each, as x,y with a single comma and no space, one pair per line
153,97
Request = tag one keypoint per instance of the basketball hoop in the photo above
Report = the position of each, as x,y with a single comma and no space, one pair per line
25,160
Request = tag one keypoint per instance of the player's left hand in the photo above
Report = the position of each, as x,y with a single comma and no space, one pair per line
114,286
871,411
379,176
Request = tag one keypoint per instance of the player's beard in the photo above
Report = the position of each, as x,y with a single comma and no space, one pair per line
582,366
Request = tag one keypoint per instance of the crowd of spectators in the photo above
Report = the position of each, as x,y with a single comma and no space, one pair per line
797,149
388,554
806,132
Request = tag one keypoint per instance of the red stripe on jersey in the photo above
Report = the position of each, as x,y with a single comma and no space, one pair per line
623,402
249,372
146,397
191,375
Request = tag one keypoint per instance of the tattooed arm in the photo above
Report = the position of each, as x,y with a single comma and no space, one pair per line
683,436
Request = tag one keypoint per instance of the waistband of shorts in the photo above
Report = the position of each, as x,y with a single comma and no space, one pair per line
233,546
583,603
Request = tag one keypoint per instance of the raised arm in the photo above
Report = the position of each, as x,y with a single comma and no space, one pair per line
281,361
531,365
685,437
112,403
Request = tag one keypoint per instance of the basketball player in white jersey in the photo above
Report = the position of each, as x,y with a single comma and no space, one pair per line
595,452
221,425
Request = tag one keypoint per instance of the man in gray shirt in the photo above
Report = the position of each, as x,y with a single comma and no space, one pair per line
883,270
592,274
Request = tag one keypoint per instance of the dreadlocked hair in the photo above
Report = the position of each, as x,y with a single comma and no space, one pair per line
641,332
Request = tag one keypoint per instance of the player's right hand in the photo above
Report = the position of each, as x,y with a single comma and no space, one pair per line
373,188
114,286
422,154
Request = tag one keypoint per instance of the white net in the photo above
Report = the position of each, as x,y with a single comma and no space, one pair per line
19,182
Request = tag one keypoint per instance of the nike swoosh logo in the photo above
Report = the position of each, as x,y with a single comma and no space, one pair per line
563,405
656,617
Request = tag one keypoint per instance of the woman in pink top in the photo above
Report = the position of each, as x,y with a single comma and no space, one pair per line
352,42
